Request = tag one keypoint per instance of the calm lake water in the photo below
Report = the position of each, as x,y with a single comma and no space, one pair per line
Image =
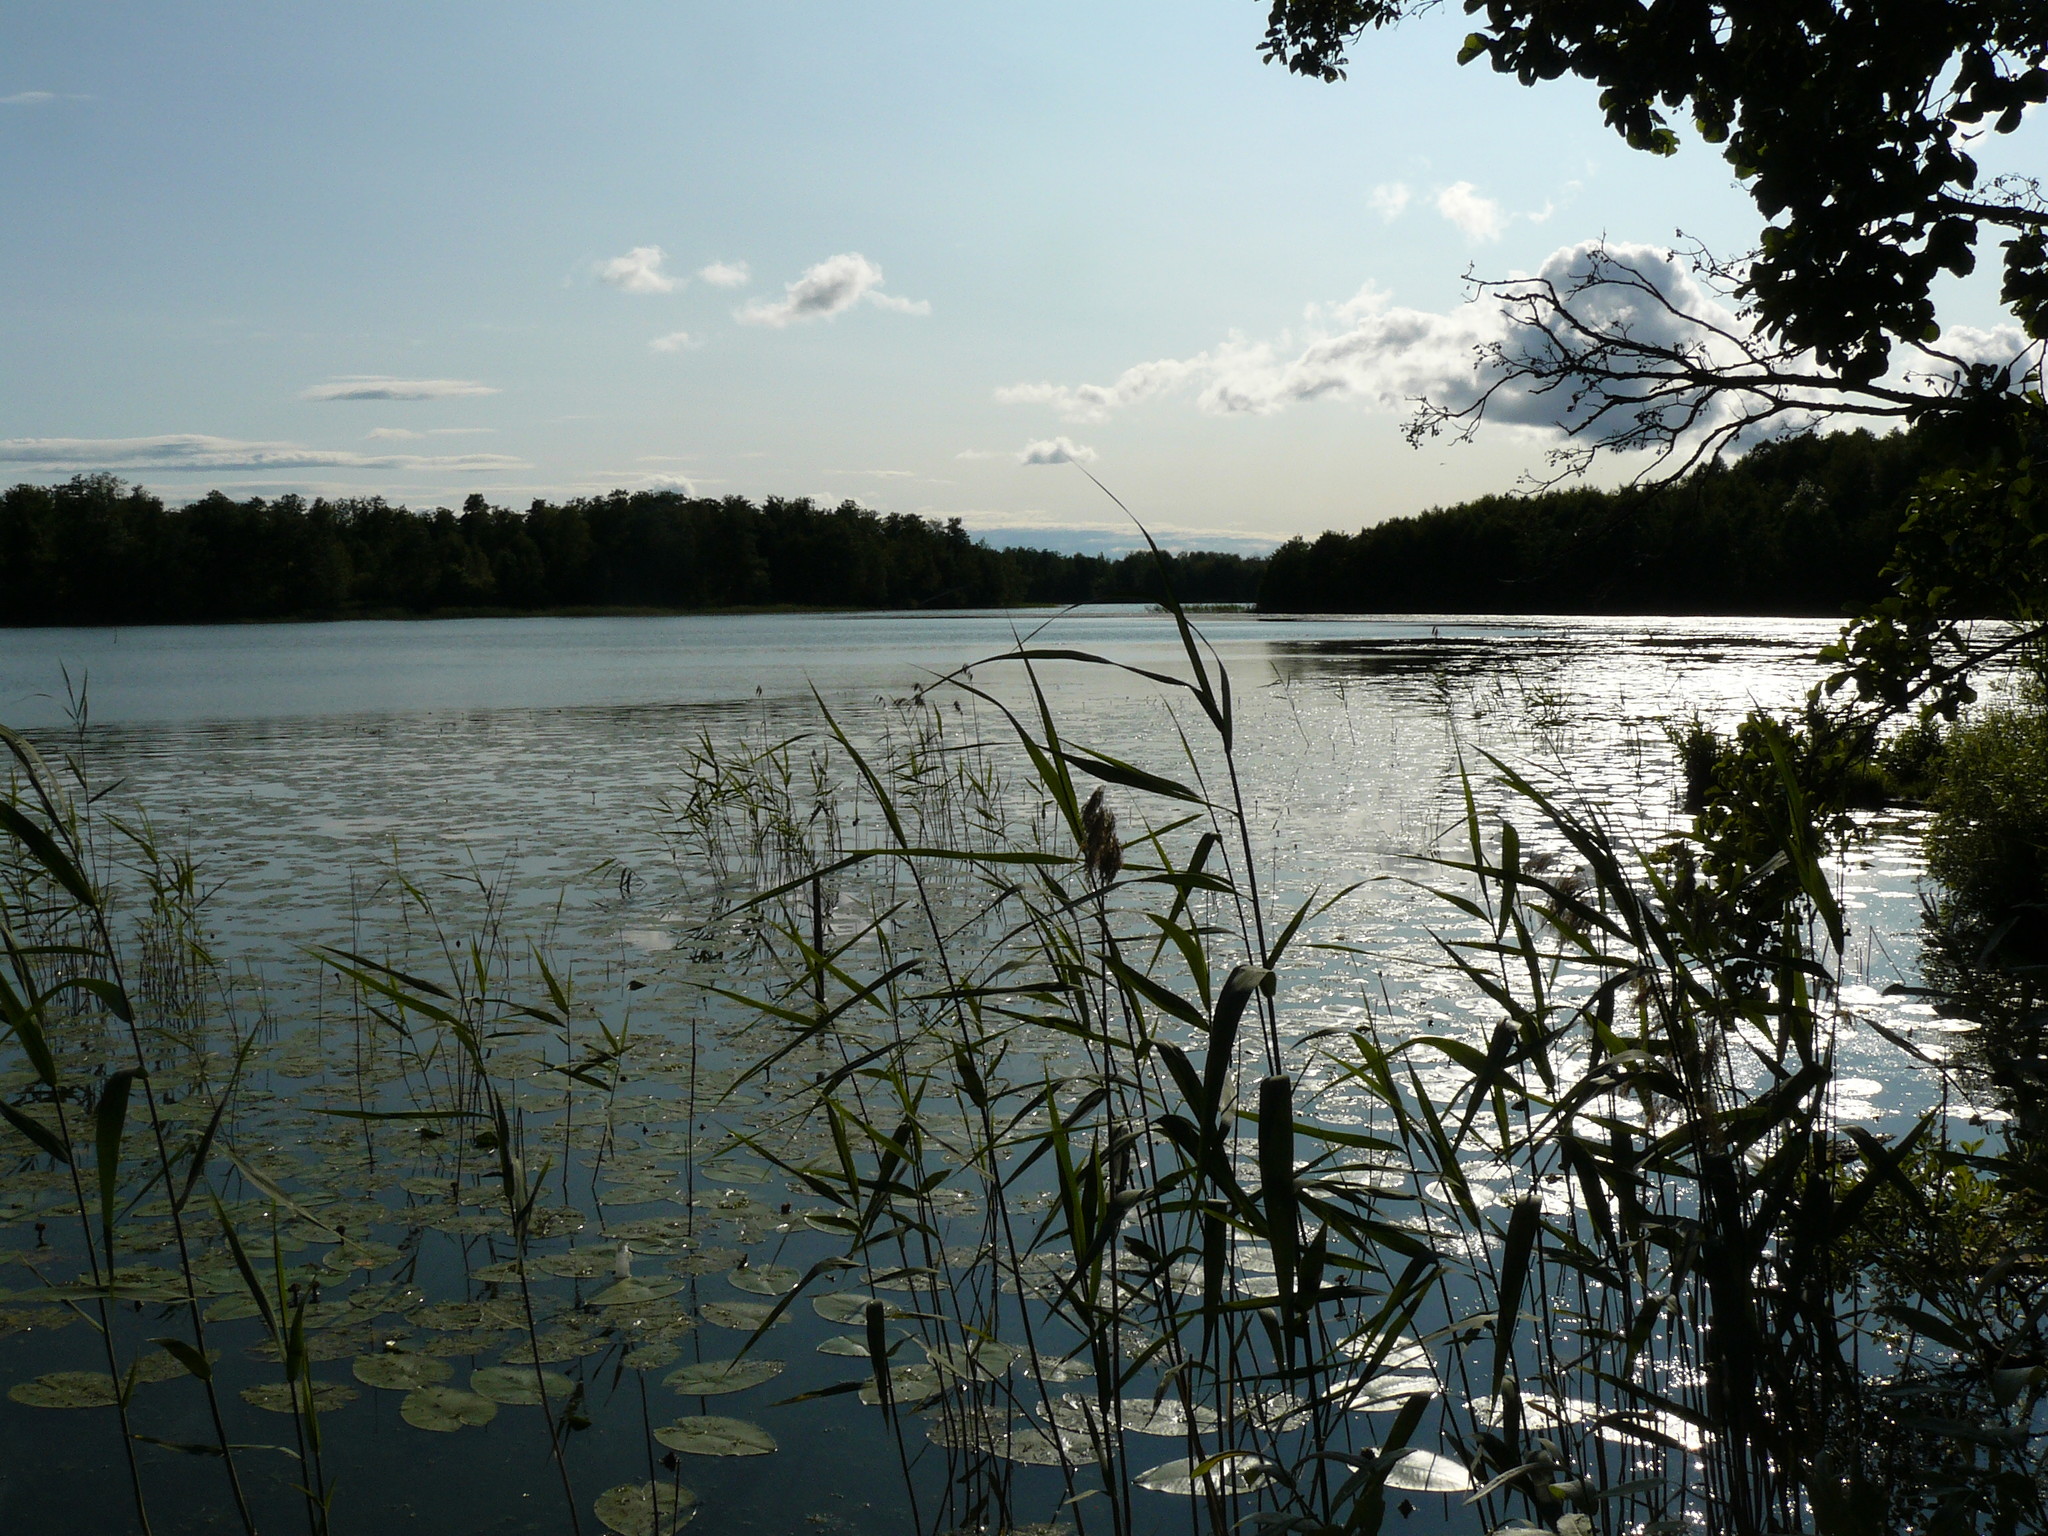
516,772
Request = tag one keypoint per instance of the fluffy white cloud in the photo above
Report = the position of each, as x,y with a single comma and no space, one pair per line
1481,218
639,271
1383,356
830,288
369,386
671,482
726,274
674,341
1056,450
1389,200
195,451
27,98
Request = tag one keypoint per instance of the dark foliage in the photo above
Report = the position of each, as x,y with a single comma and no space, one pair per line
1802,526
96,551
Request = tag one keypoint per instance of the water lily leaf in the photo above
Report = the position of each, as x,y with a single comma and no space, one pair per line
1141,1416
1054,1367
519,1386
650,1357
290,1396
1382,1394
984,1359
709,1378
445,1409
712,1436
585,1265
1229,1472
66,1389
744,1315
634,1292
766,1279
849,1344
399,1371
646,1509
850,1307
909,1385
1426,1472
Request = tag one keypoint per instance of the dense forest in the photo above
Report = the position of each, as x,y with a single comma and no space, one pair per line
1802,526
97,551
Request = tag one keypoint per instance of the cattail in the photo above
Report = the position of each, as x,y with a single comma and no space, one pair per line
1101,853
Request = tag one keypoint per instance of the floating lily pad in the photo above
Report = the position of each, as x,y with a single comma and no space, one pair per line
401,1371
162,1365
712,1436
709,1378
1140,1415
1427,1472
555,1221
585,1264
445,1409
646,1509
650,1357
1054,1368
852,1345
1382,1394
850,1307
507,1273
519,1386
766,1279
1237,1474
910,1385
290,1396
66,1389
709,1261
745,1315
448,1316
984,1359
634,1292
231,1308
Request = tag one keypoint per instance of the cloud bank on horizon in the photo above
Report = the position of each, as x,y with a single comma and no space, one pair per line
199,453
364,386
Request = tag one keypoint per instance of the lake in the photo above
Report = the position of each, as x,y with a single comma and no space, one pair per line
392,789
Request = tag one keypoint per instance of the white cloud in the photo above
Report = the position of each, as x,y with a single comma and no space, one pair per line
830,288
674,341
1374,353
27,98
370,386
1056,450
639,271
195,451
407,435
1481,218
1389,200
878,474
681,483
726,274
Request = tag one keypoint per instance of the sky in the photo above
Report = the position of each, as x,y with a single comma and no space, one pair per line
926,256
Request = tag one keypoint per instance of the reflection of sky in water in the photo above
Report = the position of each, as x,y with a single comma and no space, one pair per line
305,763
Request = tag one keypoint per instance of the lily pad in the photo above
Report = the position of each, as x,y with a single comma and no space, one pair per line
850,1307
634,1292
646,1509
1382,1394
650,1357
400,1371
1427,1472
66,1389
984,1360
1141,1416
712,1436
290,1396
765,1279
710,1378
445,1409
519,1386
851,1345
587,1264
1237,1474
910,1385
744,1315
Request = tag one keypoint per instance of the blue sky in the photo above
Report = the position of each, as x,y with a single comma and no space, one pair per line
424,249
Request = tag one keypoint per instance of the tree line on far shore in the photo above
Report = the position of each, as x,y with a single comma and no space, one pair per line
98,551
1802,526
